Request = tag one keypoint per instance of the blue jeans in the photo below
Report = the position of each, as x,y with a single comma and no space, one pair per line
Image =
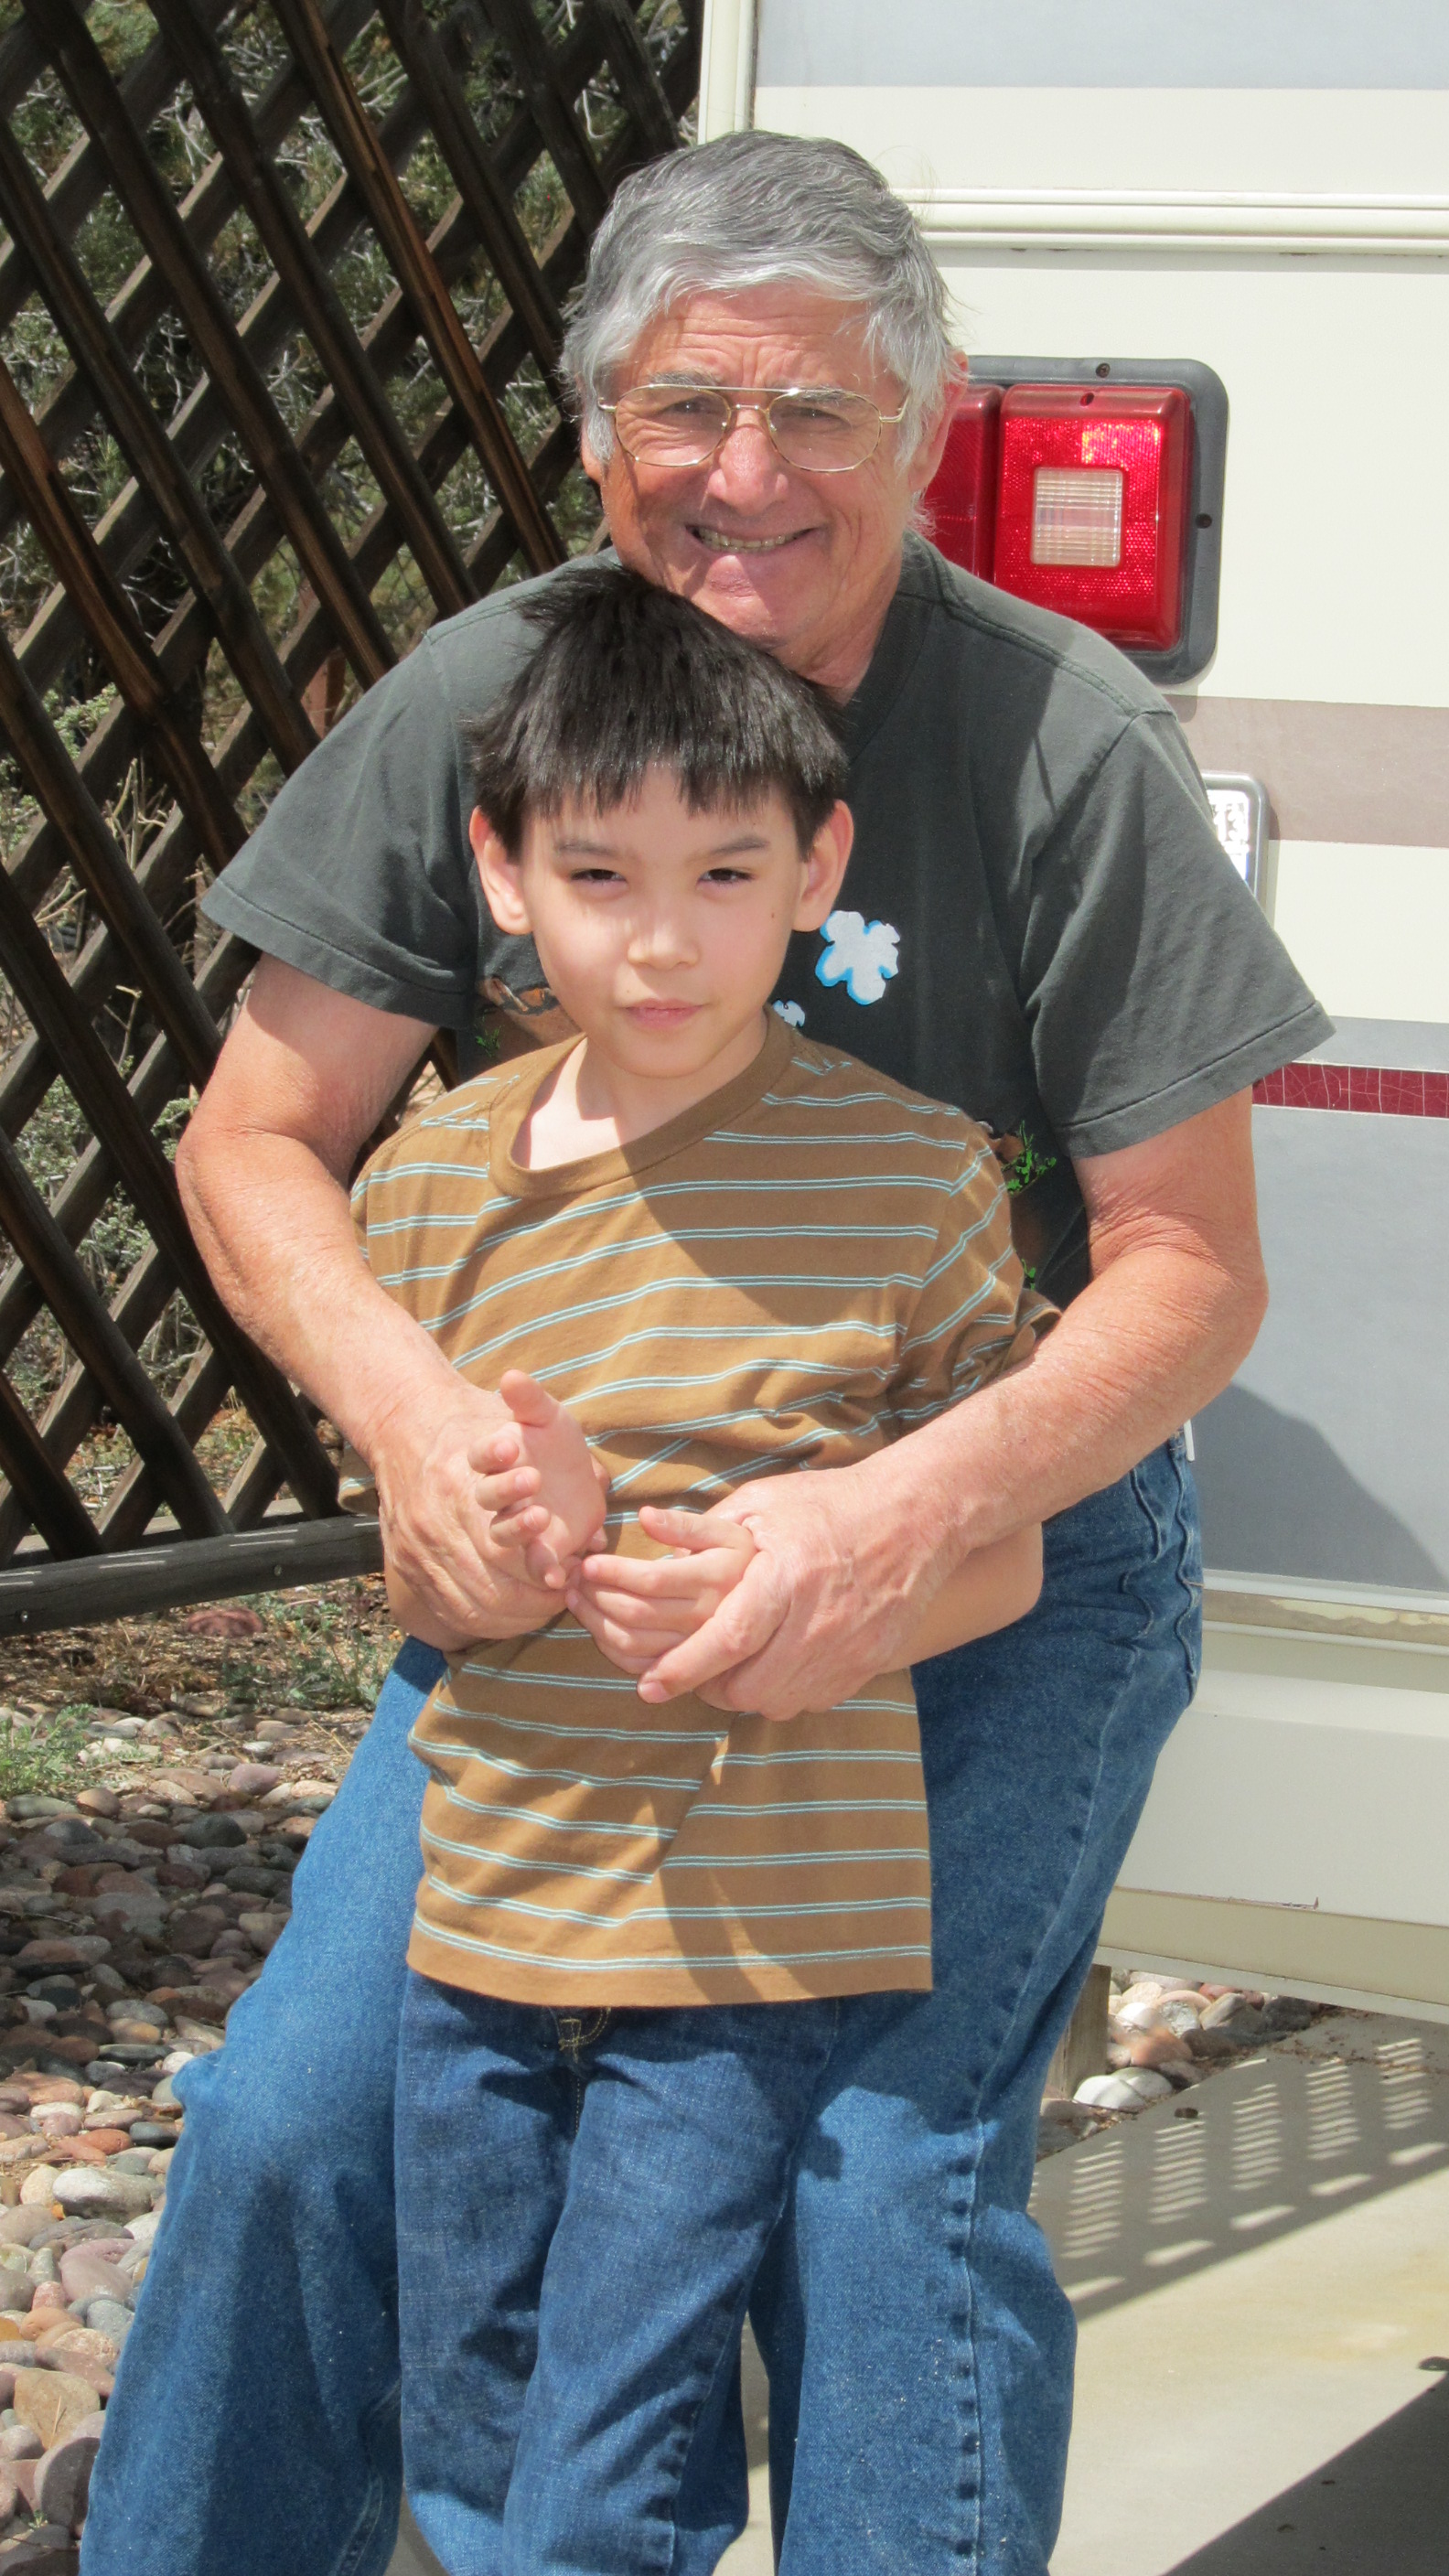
920,2352
584,2198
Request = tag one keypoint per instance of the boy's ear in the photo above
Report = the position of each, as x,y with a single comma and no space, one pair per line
824,868
501,875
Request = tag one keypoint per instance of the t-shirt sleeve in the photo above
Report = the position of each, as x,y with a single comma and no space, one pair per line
360,873
1153,983
974,1316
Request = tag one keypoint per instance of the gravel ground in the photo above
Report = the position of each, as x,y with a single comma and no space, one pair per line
141,1889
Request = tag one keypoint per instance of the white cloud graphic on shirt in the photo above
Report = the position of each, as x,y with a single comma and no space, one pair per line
792,1012
862,955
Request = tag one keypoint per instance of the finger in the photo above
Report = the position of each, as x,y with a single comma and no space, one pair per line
636,1618
526,1400
501,1493
677,1528
632,1654
648,1578
512,1528
498,1449
742,1626
547,1568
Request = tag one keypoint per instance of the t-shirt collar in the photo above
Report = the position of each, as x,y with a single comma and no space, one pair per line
623,1162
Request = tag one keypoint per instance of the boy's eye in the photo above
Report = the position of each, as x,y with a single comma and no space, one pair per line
595,876
726,876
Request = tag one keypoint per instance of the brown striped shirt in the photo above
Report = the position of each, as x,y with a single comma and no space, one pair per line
808,1263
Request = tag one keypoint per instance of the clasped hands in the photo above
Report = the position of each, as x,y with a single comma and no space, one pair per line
545,1493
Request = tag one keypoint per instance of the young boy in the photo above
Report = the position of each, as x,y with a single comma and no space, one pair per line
721,1252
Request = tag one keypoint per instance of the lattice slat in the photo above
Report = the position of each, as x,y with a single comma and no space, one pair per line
407,188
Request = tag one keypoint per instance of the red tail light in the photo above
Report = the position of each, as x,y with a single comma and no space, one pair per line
961,503
1092,506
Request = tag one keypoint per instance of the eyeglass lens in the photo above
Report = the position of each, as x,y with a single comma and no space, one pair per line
683,425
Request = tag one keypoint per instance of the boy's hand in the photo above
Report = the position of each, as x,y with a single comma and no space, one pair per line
637,1608
542,1483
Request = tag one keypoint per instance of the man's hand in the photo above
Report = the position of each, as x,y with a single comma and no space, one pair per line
449,1580
828,1590
850,1557
542,1484
638,1608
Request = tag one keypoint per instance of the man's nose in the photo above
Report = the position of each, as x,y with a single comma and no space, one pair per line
747,470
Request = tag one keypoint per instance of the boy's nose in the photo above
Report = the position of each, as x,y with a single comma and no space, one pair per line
662,941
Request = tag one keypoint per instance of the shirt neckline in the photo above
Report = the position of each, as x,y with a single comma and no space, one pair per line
623,1162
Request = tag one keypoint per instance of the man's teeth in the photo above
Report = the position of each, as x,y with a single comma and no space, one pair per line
720,544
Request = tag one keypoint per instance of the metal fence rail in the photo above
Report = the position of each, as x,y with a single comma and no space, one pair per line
280,303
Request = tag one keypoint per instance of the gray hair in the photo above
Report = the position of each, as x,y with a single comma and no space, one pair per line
754,211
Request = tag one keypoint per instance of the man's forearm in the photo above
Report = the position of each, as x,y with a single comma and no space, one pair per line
1147,1344
309,1299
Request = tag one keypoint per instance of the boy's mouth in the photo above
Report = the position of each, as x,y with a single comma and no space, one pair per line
662,1015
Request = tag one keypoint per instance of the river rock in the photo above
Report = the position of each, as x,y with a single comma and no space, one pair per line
61,1950
254,1779
62,2480
46,2551
1131,2090
212,1833
84,2191
38,2189
87,2274
1235,2015
1137,2009
52,2402
1157,2048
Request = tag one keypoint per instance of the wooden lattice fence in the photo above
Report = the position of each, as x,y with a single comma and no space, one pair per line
280,298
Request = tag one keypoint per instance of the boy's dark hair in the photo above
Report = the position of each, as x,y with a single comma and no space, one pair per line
627,677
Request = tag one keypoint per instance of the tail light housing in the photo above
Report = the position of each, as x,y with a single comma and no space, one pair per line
1094,487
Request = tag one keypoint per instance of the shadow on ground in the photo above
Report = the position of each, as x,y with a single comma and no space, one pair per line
1380,2505
1307,2133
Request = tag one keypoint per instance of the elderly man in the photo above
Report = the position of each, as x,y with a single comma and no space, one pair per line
1038,926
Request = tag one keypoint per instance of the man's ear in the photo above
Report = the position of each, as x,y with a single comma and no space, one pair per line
824,868
501,875
931,446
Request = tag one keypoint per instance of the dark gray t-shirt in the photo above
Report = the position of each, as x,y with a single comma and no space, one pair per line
1037,923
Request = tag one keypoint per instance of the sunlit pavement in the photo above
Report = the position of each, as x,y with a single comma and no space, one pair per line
1263,2292
1264,2301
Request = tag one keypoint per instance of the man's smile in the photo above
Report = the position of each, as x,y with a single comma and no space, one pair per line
719,542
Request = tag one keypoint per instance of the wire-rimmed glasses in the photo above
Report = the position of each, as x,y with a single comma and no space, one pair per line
822,431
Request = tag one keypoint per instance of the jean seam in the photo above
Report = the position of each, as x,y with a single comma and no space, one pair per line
742,2305
970,2492
365,2528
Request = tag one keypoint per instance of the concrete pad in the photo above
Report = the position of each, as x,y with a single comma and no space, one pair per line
1264,2297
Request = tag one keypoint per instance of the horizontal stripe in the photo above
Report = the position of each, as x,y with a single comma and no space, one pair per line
893,1854
638,1914
694,1959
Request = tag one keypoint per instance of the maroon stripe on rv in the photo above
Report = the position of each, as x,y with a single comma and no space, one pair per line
1384,1091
